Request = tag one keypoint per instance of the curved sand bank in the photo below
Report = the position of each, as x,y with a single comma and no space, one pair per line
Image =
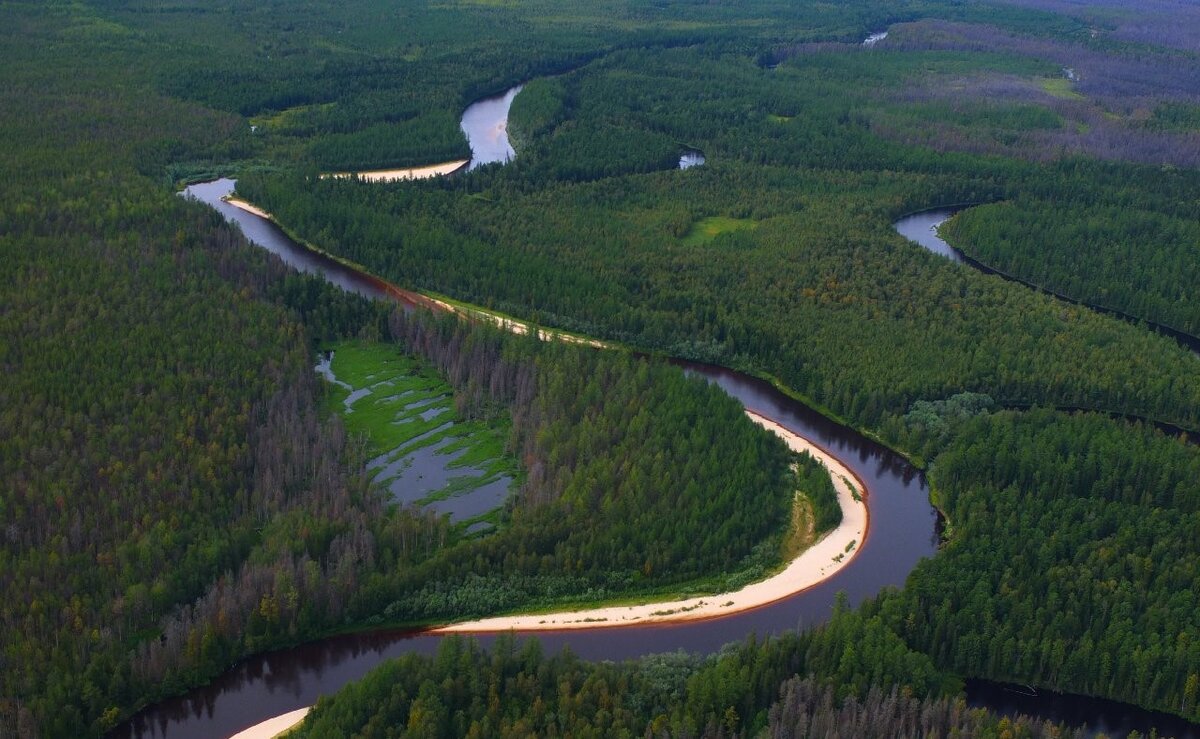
273,727
813,566
412,173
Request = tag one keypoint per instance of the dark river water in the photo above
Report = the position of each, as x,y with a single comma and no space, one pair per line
902,532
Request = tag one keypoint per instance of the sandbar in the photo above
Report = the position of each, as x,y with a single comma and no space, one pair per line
273,727
412,173
814,565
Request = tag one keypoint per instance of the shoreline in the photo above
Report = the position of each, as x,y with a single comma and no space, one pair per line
409,173
816,564
512,325
274,726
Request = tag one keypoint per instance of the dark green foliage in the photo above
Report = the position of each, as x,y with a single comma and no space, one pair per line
157,391
1133,258
817,486
1181,116
636,477
1074,562
821,296
385,145
535,111
514,690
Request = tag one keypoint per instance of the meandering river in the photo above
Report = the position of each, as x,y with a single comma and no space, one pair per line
903,531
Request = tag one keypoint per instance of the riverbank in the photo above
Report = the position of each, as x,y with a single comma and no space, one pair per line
811,567
411,173
274,727
832,552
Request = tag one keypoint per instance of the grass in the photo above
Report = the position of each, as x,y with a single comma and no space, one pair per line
706,229
407,408
1060,87
802,532
286,119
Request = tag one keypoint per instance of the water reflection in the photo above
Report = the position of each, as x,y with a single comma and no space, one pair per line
485,122
691,158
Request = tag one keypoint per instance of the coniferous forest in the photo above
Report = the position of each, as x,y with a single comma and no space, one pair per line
179,489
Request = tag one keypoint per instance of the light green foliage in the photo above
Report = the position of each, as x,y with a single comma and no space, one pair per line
705,230
407,408
1060,87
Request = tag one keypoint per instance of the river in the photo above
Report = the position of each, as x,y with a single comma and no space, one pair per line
485,122
903,531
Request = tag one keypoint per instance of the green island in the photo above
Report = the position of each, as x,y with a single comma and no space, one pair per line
181,490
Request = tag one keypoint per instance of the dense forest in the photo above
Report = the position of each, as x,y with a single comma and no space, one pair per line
863,324
174,498
1072,562
176,494
635,478
1140,262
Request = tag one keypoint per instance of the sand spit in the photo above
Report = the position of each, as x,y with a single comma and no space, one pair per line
273,727
813,566
394,175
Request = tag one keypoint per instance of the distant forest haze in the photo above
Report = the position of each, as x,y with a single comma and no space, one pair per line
179,488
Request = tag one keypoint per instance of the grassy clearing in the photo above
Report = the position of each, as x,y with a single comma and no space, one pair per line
284,120
802,533
707,229
1060,87
402,406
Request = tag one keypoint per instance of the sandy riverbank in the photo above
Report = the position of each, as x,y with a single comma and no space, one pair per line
412,173
249,208
273,727
813,566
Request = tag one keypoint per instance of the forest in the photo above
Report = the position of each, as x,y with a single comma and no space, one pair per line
1136,261
177,493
